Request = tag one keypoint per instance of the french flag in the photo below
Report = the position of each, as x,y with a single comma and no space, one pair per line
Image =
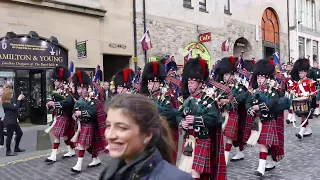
146,41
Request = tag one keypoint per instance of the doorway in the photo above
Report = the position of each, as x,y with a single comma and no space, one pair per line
32,83
113,63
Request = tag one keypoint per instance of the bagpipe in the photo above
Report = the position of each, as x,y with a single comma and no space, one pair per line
56,96
223,92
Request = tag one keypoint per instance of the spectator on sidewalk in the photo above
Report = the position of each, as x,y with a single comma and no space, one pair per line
1,119
10,121
108,93
139,141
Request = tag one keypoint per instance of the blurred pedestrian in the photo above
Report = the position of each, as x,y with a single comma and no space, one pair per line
139,141
10,121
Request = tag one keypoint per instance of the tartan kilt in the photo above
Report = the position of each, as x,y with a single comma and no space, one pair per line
202,150
277,152
268,135
218,162
60,129
86,134
231,130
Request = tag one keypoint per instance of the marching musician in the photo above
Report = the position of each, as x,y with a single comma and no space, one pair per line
62,103
287,74
303,87
226,75
203,153
91,121
123,81
316,71
153,78
262,106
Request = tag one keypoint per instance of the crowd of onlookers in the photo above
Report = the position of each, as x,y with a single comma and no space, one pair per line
9,113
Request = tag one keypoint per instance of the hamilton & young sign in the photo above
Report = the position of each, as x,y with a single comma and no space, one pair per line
25,52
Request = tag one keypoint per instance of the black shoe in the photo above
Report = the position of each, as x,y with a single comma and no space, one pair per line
257,173
19,150
75,171
299,136
9,153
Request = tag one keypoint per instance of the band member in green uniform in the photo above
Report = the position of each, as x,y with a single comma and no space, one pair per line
153,85
201,122
86,113
62,103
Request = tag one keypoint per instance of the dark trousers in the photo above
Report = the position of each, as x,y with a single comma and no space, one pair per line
11,128
1,134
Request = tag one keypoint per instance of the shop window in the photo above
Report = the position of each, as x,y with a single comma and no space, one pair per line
203,5
301,47
187,4
227,9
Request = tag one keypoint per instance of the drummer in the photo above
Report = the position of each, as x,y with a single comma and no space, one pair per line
303,87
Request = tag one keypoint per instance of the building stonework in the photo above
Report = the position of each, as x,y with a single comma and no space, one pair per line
171,37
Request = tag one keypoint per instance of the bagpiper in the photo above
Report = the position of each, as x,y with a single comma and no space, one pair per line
90,117
226,74
316,70
153,84
62,104
123,81
199,117
304,90
244,76
287,74
263,105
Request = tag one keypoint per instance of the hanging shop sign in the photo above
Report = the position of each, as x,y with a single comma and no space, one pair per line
205,37
90,71
81,49
197,49
28,53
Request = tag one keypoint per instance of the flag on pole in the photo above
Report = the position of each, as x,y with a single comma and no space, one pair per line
71,68
146,41
241,62
225,45
187,56
276,61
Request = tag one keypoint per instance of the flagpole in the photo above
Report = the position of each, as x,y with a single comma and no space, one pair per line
144,28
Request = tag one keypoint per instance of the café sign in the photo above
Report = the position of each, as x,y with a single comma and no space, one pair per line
206,37
25,52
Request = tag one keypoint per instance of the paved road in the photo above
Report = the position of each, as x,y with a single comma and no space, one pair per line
301,162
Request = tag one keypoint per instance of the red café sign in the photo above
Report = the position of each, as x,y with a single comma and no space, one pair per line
206,37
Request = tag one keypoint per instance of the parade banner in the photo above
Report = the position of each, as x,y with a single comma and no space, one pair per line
90,71
24,52
198,49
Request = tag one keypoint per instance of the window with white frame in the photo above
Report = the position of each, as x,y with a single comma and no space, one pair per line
203,5
307,13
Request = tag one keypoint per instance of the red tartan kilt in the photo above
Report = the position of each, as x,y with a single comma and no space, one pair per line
60,128
268,135
202,150
231,130
86,134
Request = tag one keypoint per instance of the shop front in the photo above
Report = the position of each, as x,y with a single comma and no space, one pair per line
194,49
27,62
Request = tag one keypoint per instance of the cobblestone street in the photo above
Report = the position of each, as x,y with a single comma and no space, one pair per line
301,162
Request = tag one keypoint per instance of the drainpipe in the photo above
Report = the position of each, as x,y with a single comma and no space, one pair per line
297,26
144,28
135,34
288,16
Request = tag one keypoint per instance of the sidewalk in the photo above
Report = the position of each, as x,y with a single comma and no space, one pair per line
29,142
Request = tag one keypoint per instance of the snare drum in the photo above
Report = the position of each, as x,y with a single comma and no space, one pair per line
301,105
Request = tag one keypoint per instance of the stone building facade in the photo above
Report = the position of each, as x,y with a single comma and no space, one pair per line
174,24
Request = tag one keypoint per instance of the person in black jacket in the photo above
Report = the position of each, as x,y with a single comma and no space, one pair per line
10,121
139,141
1,118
